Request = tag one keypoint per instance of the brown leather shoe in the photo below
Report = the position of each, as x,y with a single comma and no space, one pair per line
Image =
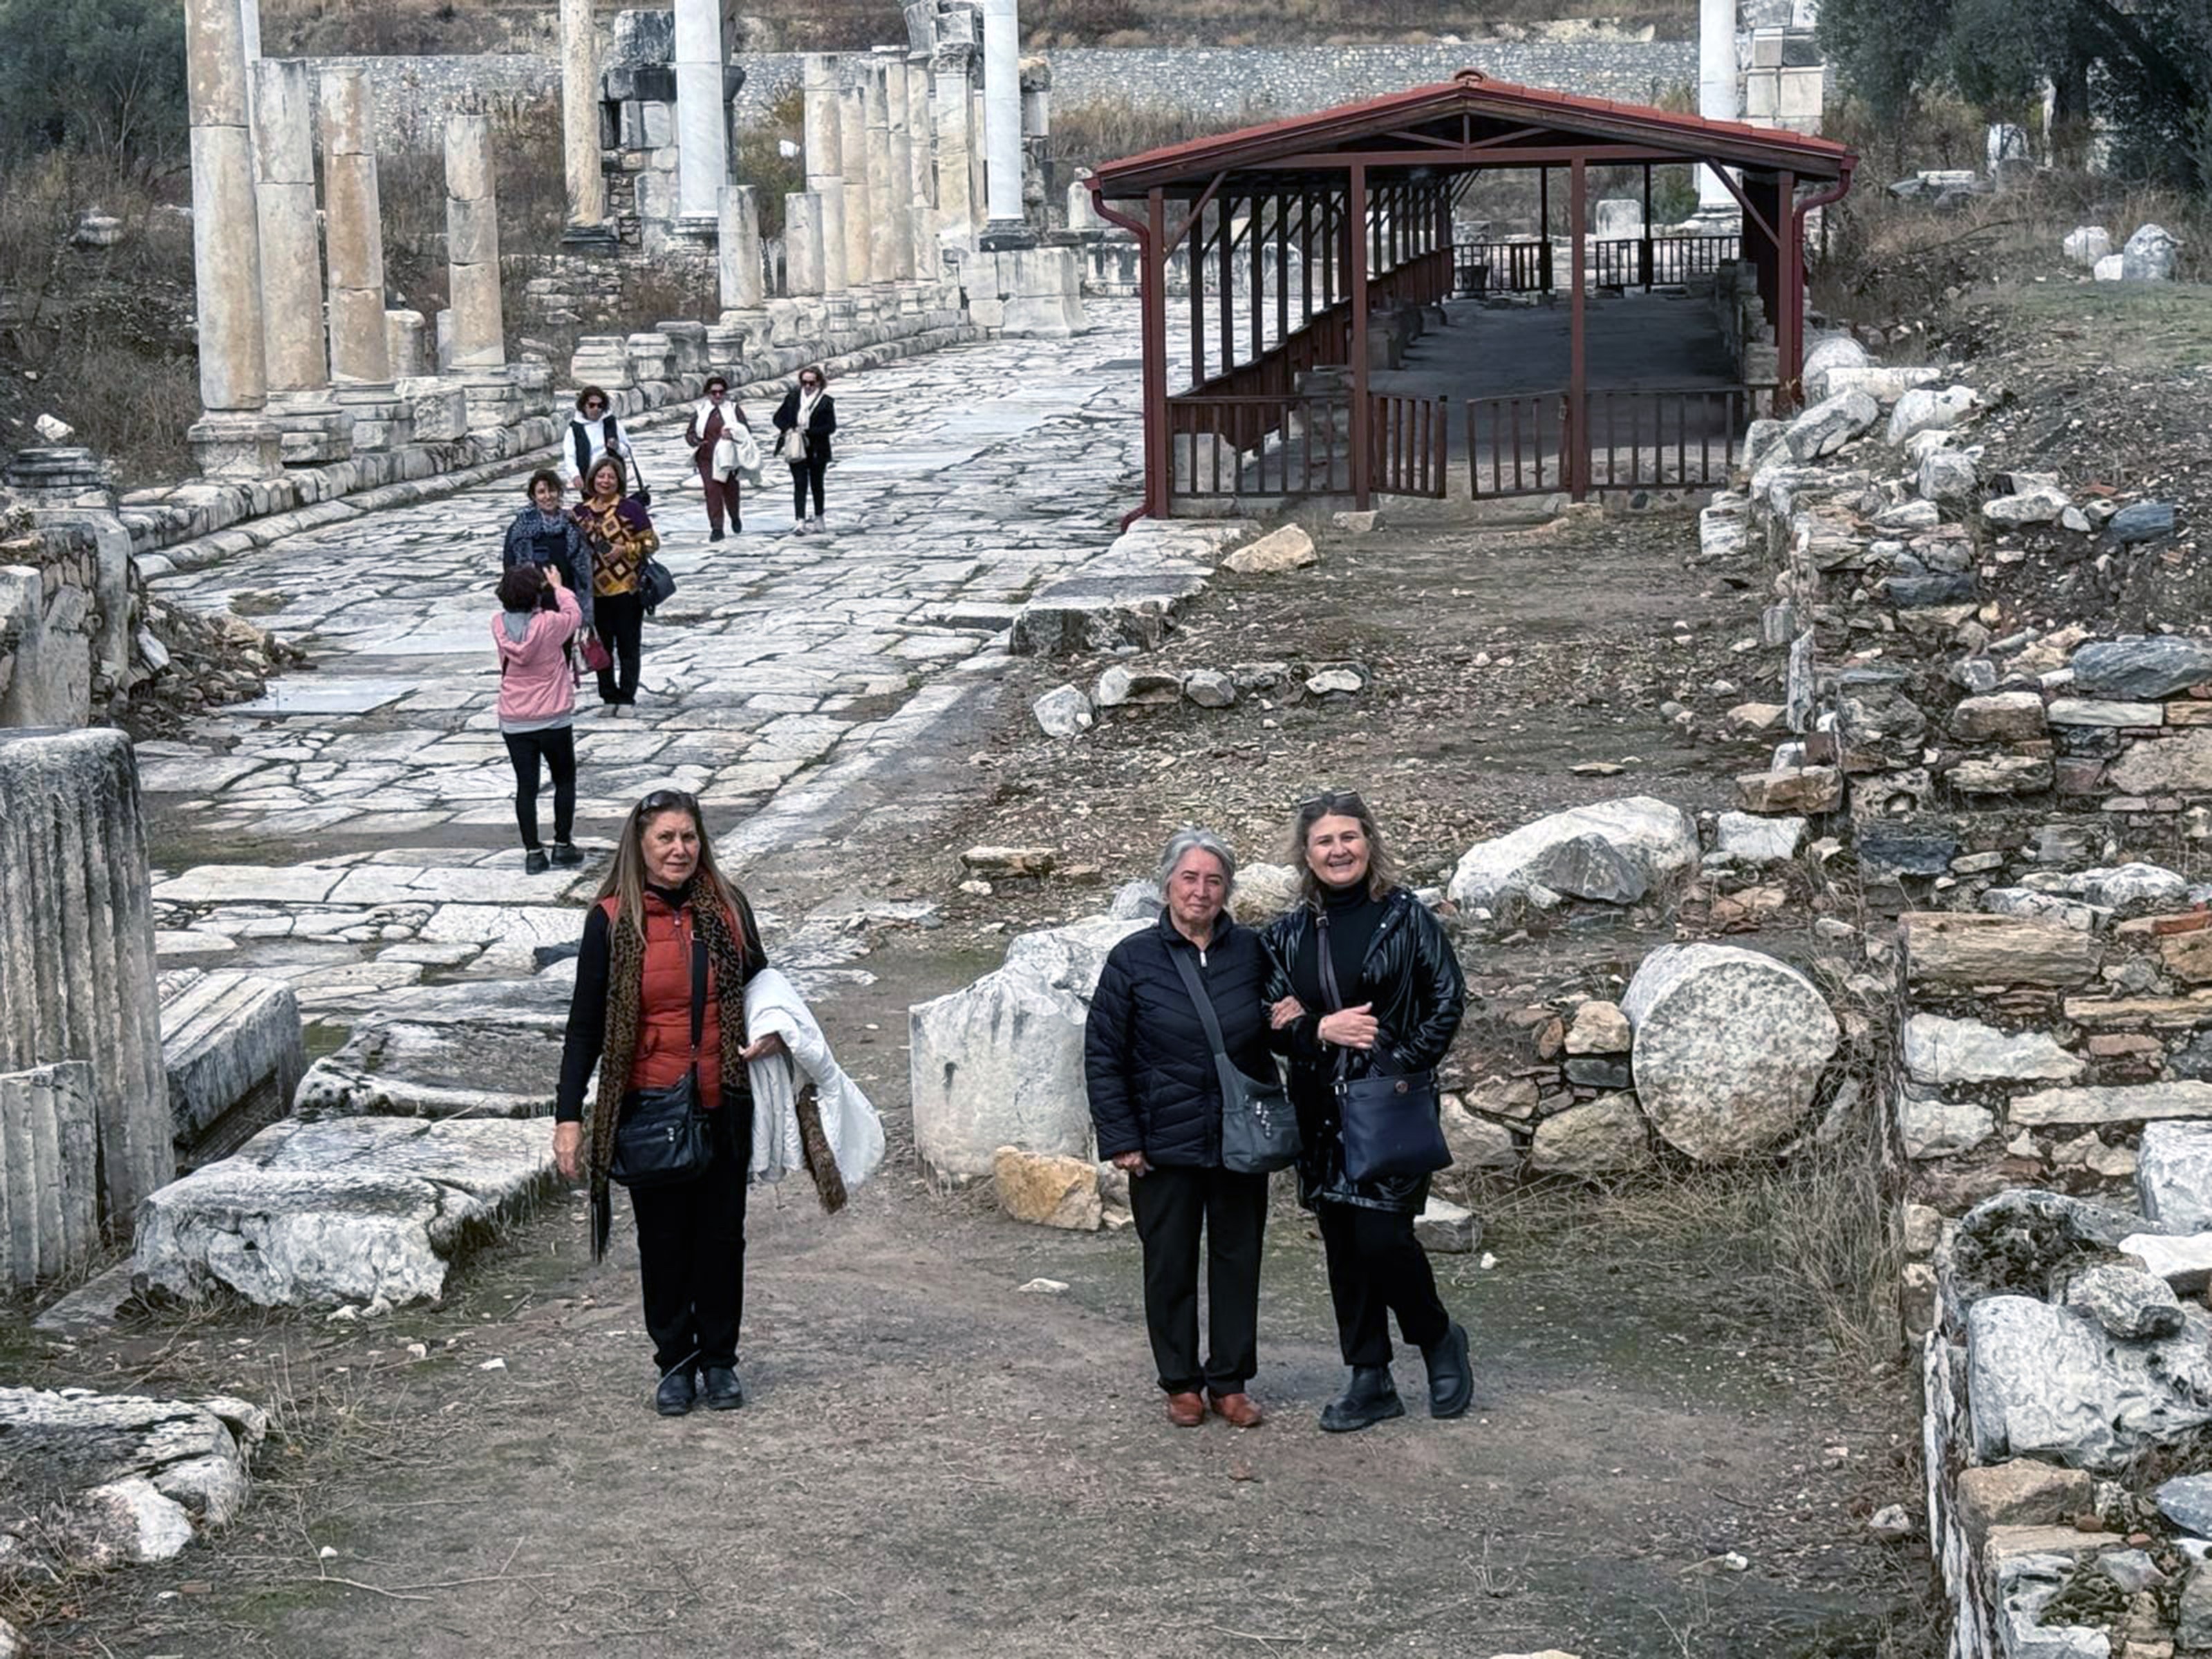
1186,1411
1239,1411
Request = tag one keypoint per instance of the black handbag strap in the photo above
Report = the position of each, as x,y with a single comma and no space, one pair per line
1204,1003
1334,997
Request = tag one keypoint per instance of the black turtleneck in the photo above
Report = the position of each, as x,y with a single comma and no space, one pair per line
1351,914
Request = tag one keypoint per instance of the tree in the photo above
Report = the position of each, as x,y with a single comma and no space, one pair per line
103,75
2145,64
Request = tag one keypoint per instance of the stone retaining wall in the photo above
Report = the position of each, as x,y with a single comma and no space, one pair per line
414,95
2018,792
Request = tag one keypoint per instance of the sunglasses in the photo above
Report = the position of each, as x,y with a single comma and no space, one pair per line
593,407
1332,801
665,800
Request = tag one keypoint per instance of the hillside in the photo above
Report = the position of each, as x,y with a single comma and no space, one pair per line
295,26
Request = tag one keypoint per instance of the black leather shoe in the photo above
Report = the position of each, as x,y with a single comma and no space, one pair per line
567,855
723,1393
534,862
1451,1379
1370,1398
676,1393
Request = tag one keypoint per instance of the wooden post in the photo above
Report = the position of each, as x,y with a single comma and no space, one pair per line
1544,229
1228,204
1159,442
1644,253
1282,269
1362,484
1577,366
1195,238
1789,326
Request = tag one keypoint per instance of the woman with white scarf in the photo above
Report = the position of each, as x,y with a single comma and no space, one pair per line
804,421
595,430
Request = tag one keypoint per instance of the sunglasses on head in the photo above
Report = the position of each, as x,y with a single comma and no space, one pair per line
664,801
1345,801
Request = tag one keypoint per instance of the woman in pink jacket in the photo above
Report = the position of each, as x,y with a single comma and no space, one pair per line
537,703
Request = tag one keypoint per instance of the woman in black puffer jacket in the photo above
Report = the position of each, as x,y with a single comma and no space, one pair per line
1156,1101
1403,995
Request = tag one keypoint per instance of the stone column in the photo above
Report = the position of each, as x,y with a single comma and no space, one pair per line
825,177
887,226
315,430
738,249
1717,94
291,251
949,67
922,133
1002,119
978,192
702,128
803,239
860,199
233,438
76,947
472,244
361,358
580,124
899,191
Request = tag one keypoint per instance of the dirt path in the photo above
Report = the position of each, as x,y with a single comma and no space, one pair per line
933,1462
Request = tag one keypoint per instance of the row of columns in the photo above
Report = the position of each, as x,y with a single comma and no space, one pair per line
275,385
866,218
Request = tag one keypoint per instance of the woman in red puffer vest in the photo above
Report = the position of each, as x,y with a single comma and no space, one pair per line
659,994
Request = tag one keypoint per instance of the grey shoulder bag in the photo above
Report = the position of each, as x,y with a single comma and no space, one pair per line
1258,1130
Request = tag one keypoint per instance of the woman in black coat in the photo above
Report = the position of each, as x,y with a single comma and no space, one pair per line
803,421
1402,997
1155,1102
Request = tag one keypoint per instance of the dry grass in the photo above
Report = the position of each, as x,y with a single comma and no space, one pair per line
1888,260
98,337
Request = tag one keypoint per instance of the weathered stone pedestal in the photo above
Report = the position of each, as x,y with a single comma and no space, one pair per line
600,359
437,408
495,397
382,419
1034,292
235,444
313,428
76,952
60,476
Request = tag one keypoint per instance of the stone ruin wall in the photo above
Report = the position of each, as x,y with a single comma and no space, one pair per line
414,95
2025,800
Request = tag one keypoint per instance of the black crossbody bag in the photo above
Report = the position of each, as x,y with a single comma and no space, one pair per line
1258,1130
664,1136
1388,1122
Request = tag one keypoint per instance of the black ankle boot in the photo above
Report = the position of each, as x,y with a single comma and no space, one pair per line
1451,1379
1370,1398
723,1392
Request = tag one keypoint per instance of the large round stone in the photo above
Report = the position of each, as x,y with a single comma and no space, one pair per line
1729,1046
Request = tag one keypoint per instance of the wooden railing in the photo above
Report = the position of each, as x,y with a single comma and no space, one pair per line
1514,445
1622,262
1409,444
1663,438
1259,446
1640,438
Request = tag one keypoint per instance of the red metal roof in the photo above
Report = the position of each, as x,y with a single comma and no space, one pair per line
1472,92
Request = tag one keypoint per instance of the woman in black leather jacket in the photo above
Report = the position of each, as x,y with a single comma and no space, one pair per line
1403,996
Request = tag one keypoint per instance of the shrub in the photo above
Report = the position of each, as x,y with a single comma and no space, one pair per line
107,76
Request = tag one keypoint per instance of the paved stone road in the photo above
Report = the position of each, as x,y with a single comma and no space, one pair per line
354,830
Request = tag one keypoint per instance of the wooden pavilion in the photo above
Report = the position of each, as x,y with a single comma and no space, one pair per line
1290,194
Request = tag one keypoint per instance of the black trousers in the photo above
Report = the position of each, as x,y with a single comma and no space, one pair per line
556,747
1171,1205
691,1249
620,619
1376,1267
806,474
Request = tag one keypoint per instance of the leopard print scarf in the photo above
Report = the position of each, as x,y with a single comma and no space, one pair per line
626,1005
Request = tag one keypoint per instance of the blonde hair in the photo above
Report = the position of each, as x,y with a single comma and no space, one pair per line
625,881
1382,870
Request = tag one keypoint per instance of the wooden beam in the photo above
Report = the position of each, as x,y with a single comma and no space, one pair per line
1362,484
1198,208
1159,442
1578,457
